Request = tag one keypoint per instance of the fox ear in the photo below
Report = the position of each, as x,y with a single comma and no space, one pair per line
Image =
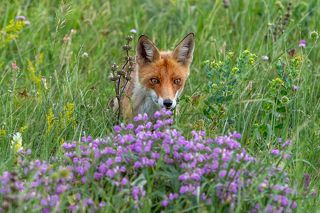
146,51
183,52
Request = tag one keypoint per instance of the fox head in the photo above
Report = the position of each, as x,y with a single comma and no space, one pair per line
163,74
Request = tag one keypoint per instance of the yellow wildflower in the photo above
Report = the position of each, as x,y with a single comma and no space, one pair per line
69,109
36,79
278,81
11,31
235,69
206,62
297,61
230,54
246,52
23,128
50,119
68,115
251,60
3,132
252,55
216,64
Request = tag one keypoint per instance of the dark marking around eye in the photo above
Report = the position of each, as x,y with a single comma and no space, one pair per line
177,81
154,81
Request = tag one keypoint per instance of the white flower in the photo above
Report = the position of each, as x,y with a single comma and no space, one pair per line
265,58
85,55
16,142
27,23
134,31
73,31
44,82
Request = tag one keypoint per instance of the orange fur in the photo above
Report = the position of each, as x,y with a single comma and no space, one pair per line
166,70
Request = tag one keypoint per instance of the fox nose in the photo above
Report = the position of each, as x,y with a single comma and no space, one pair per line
167,103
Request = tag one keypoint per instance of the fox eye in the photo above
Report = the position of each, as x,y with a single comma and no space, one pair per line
177,81
154,81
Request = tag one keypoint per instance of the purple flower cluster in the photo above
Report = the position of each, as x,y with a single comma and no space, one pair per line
36,181
282,151
151,161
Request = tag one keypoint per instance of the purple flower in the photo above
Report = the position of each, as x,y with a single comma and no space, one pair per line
284,201
28,152
222,173
78,196
165,203
86,139
306,182
275,152
110,173
137,118
53,200
137,193
83,179
137,165
269,209
195,177
117,159
157,115
302,43
187,156
294,205
184,189
233,187
45,210
97,176
286,144
89,201
44,202
184,177
124,181
214,165
130,126
109,162
60,189
295,88
155,156
117,129
173,196
167,112
21,18
148,125
69,145
103,168
236,135
145,117
80,170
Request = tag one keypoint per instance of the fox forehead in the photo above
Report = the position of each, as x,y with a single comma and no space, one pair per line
165,69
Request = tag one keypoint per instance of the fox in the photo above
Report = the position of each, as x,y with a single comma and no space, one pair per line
159,77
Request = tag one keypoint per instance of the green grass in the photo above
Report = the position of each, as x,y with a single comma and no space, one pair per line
101,27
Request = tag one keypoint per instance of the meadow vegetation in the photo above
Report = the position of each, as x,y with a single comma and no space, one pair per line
255,72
